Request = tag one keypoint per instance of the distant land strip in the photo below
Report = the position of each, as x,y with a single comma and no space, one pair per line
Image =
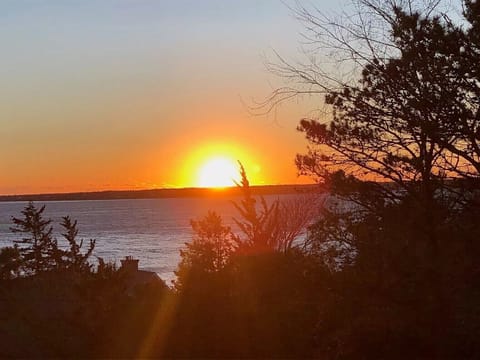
163,193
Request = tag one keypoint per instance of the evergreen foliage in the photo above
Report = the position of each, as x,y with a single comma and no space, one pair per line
38,247
39,251
73,258
209,252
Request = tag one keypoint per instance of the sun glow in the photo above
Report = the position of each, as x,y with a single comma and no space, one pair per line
218,172
216,165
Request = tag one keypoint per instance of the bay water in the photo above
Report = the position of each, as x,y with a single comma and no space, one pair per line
151,230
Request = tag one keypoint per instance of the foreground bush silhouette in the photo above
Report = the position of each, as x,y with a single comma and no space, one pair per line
208,253
53,302
244,295
10,262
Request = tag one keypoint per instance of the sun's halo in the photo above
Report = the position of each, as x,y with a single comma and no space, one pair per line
218,172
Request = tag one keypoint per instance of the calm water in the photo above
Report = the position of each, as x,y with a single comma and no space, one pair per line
152,230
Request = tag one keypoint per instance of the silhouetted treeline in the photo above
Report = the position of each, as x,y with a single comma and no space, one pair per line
160,193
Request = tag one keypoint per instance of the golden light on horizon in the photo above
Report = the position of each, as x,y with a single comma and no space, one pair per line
219,172
217,165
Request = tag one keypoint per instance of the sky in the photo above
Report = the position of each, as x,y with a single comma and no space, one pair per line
139,94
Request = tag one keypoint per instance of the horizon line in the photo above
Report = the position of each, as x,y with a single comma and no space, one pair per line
148,189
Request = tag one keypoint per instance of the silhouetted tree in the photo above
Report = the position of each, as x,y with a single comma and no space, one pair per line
405,123
209,251
388,126
73,258
38,248
40,251
257,224
458,52
403,93
271,227
404,129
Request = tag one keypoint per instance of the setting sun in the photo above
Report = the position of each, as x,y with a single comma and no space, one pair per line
218,172
215,164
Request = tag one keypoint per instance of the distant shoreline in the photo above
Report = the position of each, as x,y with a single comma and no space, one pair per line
162,193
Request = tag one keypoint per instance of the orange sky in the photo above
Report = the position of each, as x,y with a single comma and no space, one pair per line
129,95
